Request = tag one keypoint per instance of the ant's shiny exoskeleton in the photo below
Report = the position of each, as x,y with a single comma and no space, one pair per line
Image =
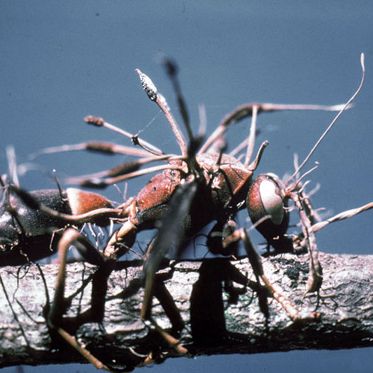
29,234
200,186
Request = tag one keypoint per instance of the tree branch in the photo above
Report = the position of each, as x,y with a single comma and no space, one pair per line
345,305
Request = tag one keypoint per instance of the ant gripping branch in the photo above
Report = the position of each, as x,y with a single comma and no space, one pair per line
201,185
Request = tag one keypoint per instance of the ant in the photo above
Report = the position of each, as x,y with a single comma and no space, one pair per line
203,184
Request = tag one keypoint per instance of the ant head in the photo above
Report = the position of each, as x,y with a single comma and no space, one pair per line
267,199
267,204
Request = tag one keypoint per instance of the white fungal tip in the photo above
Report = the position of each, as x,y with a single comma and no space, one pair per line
149,87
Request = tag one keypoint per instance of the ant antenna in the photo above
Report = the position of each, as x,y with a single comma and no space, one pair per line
345,106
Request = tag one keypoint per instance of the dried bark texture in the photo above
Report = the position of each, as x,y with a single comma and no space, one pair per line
345,306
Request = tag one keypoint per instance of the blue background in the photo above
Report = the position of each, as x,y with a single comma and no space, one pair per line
60,61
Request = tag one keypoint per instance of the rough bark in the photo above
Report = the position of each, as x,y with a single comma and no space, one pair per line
345,305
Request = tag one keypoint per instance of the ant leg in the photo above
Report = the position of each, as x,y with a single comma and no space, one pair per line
315,270
55,314
155,287
123,239
164,297
171,234
274,291
234,275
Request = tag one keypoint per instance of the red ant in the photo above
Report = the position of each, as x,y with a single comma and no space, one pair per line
201,185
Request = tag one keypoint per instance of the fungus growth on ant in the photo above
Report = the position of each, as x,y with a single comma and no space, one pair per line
190,190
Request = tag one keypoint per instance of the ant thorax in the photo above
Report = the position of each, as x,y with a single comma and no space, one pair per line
227,177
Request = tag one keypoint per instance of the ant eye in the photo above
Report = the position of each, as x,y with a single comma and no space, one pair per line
273,204
265,201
